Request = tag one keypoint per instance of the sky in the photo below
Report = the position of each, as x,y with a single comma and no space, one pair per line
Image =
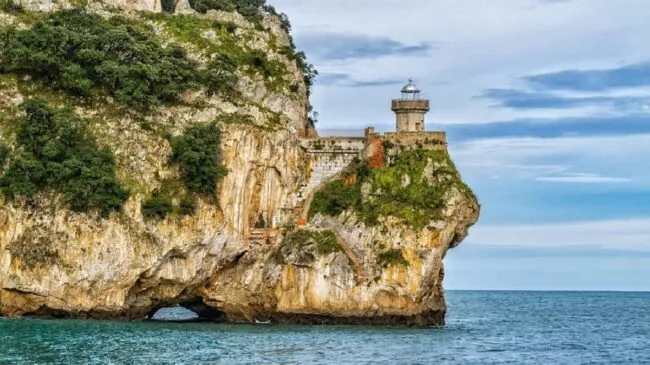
547,108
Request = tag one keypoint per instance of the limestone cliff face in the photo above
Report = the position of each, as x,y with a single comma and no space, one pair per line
232,254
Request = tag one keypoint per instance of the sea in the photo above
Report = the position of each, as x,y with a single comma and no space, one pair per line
483,327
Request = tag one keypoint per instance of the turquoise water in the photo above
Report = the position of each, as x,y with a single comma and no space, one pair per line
483,328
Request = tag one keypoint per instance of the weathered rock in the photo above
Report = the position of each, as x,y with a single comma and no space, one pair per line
81,265
52,5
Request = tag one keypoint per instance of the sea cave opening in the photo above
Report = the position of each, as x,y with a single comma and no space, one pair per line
193,311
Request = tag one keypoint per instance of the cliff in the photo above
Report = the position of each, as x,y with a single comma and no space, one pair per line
151,158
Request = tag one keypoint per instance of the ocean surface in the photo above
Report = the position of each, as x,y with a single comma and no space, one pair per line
483,328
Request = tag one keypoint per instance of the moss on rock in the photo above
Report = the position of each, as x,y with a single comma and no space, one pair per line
324,241
391,257
33,249
411,187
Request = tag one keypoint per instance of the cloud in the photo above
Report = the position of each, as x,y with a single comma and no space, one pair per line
342,46
634,75
529,165
549,2
622,233
583,178
329,78
552,128
521,99
343,79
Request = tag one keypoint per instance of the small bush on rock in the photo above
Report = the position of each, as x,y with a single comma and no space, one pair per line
187,206
58,153
157,206
80,53
198,155
391,257
168,6
326,242
34,249
5,151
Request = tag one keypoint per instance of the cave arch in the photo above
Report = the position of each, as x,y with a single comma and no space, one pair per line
189,311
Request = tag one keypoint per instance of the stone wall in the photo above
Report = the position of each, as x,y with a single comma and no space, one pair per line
330,156
327,144
327,158
426,140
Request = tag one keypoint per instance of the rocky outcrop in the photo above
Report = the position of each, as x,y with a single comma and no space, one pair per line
232,257
52,5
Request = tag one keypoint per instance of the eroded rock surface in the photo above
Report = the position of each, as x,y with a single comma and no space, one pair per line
232,254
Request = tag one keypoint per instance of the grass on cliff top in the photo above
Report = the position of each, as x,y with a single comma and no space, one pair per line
55,152
400,189
251,10
86,55
226,49
90,57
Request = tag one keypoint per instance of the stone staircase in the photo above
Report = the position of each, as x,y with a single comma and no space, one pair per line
262,236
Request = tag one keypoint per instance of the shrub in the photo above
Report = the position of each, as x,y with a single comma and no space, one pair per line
415,203
326,242
11,7
34,249
335,198
59,154
5,151
220,75
157,206
187,206
391,257
252,10
79,52
168,6
198,155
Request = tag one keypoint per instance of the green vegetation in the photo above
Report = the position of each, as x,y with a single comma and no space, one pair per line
252,10
85,55
198,155
168,6
227,56
335,198
416,202
56,152
4,154
160,203
400,189
187,206
231,54
8,6
326,242
157,206
391,257
309,70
